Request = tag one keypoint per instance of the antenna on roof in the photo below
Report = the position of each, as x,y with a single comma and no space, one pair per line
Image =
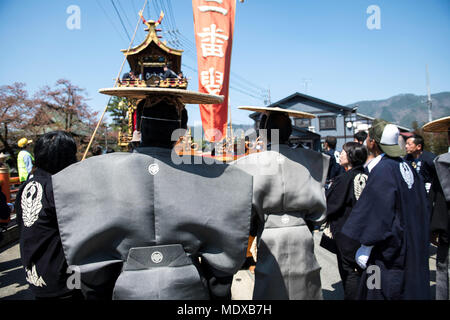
429,103
305,84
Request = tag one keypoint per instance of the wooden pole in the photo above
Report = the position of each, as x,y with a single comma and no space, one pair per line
115,84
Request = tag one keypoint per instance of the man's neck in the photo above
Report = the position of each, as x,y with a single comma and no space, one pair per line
417,154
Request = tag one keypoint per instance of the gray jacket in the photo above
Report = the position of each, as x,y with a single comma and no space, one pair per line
288,191
140,227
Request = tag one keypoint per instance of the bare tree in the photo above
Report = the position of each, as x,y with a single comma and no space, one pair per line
16,109
68,99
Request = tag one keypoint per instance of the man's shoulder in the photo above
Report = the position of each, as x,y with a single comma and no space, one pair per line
387,163
428,156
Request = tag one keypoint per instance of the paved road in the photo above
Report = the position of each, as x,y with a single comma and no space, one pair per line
13,285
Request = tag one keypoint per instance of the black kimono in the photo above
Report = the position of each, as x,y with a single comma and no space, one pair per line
392,216
40,243
341,198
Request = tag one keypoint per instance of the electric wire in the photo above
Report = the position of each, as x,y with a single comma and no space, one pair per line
121,21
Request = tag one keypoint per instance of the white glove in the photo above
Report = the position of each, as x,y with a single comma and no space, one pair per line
362,256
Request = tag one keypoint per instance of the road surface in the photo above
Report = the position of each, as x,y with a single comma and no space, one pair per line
13,285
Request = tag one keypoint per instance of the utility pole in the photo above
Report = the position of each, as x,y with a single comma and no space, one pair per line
305,84
429,103
266,96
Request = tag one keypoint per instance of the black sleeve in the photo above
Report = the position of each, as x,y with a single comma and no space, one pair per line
4,209
218,282
440,212
336,197
331,166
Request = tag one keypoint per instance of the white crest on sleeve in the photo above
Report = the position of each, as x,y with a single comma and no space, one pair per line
359,183
31,203
34,278
407,174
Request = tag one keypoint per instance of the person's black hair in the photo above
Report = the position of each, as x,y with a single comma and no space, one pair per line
361,136
55,151
356,153
156,126
418,139
97,150
277,120
331,141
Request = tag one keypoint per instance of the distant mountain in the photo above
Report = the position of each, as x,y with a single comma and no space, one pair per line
403,109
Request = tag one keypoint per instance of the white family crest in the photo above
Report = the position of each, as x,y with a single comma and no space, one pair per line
359,183
34,278
157,257
407,174
31,202
153,169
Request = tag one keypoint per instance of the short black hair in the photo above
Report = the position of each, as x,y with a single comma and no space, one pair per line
55,151
277,121
361,136
418,139
97,150
356,153
156,126
331,141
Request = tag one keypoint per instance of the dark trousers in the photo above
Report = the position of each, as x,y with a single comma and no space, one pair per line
349,271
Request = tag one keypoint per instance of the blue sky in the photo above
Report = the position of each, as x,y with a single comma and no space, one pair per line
277,45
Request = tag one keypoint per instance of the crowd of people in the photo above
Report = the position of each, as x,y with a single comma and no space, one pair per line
138,226
391,224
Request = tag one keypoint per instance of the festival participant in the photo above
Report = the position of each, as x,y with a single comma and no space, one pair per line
24,159
440,219
334,168
146,225
341,198
360,137
420,159
289,198
40,242
391,222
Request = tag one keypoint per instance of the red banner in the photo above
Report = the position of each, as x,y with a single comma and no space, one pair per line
214,26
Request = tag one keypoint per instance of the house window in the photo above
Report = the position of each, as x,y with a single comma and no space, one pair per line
327,123
302,123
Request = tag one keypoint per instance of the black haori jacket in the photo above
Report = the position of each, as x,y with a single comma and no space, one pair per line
40,244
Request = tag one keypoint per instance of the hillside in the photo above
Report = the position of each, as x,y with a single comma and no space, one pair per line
403,109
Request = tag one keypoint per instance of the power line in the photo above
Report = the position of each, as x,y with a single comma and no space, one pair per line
125,14
110,20
135,11
258,97
121,21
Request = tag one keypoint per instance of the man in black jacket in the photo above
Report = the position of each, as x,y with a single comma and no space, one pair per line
41,250
420,159
334,168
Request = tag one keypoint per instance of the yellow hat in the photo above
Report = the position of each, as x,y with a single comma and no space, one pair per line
23,142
